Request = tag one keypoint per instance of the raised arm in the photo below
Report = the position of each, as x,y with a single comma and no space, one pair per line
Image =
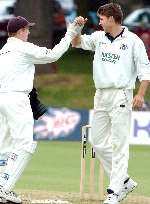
77,39
42,55
86,42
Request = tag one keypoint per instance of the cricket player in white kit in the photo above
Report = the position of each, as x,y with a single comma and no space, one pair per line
120,57
17,59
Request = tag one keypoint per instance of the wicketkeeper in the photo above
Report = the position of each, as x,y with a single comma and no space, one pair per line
38,110
119,57
17,60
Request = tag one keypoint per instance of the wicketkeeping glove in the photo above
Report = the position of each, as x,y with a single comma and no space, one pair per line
37,107
74,29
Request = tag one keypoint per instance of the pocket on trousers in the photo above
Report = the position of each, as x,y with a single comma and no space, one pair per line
129,97
123,100
97,99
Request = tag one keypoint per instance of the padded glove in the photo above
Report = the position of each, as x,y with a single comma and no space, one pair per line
37,107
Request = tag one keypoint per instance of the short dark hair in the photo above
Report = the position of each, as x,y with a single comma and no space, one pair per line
111,9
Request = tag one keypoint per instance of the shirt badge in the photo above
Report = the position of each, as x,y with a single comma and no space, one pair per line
124,47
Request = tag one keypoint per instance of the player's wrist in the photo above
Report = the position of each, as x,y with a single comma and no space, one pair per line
74,29
140,94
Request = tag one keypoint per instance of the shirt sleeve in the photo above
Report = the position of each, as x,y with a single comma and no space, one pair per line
88,42
43,55
141,61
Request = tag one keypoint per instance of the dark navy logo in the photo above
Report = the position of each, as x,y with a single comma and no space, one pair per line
13,156
5,176
123,47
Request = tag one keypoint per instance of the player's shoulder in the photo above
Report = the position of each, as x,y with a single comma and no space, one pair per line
28,44
97,35
29,47
132,36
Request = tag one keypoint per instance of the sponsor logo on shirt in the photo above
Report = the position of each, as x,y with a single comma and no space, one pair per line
110,57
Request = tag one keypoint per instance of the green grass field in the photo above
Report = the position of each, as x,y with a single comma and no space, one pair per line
55,167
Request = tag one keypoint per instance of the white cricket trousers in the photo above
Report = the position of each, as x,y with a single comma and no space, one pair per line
18,123
110,133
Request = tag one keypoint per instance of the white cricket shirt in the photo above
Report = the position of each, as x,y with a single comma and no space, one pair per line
17,59
117,64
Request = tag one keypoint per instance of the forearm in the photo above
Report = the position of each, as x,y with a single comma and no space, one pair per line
60,49
143,87
72,31
76,41
42,55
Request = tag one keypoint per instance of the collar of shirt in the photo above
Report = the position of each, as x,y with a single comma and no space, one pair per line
13,39
123,33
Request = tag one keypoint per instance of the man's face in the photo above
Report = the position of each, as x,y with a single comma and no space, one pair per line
106,22
25,33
